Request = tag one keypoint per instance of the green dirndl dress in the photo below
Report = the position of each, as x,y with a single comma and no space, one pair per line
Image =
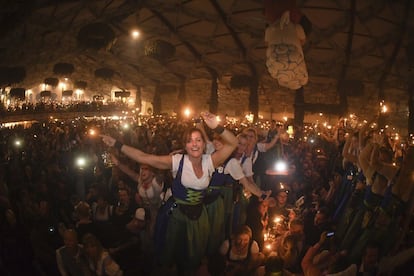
188,227
218,205
215,212
186,239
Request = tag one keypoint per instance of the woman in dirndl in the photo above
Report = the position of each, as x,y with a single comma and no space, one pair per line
187,229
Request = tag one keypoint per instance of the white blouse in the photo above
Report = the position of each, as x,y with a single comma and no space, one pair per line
152,194
234,168
189,178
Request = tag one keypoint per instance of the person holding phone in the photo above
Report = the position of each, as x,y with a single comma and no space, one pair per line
321,222
320,258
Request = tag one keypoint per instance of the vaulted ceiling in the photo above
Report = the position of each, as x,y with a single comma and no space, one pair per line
364,42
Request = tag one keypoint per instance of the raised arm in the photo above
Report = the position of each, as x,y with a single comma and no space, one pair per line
234,168
328,137
272,143
364,162
209,146
163,162
386,169
346,151
363,132
199,124
229,140
125,168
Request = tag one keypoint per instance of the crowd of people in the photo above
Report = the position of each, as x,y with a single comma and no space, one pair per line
26,107
199,197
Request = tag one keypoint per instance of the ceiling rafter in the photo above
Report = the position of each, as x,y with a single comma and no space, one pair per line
107,4
187,44
172,8
343,99
106,14
51,21
362,51
318,35
70,23
371,10
172,29
142,73
235,37
233,34
167,6
189,36
397,46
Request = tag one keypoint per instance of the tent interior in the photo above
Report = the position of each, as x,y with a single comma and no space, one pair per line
358,54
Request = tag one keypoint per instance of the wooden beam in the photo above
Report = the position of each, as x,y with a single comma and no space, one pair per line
343,99
235,37
254,95
397,46
187,44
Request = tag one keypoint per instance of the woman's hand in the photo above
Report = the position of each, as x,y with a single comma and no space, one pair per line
210,119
